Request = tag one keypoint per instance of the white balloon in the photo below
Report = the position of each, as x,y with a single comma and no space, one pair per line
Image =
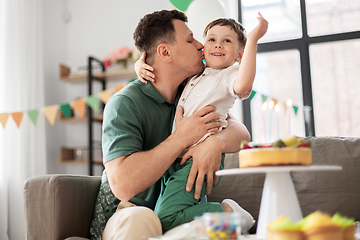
201,12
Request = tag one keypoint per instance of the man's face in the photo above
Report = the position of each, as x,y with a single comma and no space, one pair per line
187,51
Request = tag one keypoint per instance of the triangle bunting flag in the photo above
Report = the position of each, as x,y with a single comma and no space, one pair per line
93,102
3,118
252,95
66,110
50,113
296,109
104,96
33,115
79,106
118,88
17,116
264,98
274,101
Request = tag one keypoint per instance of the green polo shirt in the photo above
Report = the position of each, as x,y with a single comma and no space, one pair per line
137,118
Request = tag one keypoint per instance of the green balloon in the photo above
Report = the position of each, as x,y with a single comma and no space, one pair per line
182,5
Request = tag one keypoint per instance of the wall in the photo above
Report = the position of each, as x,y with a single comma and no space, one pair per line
54,52
73,30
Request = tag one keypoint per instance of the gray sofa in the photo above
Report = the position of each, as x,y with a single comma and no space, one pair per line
61,206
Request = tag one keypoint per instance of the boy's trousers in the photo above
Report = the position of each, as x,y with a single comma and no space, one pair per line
175,205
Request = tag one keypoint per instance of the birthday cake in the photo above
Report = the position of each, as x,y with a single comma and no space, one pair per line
288,151
316,226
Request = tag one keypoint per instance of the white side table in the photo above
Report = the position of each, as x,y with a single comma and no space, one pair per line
278,196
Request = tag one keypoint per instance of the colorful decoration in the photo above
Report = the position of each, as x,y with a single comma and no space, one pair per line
182,5
252,95
33,115
3,118
17,116
289,104
263,108
295,109
93,102
79,106
264,97
66,110
50,112
277,110
222,225
121,56
104,96
118,88
272,105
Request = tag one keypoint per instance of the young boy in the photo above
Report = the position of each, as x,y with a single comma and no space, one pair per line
219,84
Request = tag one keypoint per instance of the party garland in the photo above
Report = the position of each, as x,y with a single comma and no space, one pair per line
79,106
50,112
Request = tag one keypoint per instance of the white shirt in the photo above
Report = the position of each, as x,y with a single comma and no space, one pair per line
212,87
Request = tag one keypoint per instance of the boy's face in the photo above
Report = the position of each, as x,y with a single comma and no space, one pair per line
221,47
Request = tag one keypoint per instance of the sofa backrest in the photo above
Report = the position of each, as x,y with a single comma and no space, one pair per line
332,191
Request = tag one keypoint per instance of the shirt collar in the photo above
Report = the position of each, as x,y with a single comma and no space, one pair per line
152,92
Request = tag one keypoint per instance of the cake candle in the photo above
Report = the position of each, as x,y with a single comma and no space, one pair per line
263,108
271,107
289,105
277,109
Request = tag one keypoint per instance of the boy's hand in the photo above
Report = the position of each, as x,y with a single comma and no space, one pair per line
260,28
143,70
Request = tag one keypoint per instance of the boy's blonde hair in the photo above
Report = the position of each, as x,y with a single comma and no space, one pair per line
236,26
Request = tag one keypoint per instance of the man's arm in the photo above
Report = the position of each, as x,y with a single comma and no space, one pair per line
234,133
207,155
132,174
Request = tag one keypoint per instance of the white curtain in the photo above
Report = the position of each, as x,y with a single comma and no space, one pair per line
22,149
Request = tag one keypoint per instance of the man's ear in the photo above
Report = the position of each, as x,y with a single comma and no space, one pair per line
240,55
163,52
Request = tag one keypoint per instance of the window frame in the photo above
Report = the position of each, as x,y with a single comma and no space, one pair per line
302,45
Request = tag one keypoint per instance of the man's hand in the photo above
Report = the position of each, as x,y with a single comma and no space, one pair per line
190,129
206,161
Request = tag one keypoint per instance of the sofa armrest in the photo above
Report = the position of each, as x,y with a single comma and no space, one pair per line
59,206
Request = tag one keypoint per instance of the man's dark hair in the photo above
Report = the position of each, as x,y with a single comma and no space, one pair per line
236,26
156,28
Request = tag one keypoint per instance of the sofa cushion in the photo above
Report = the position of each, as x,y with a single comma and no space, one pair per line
59,206
332,191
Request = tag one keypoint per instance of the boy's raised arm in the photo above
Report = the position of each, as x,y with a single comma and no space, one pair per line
247,69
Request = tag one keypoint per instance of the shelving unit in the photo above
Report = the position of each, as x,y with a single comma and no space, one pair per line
68,155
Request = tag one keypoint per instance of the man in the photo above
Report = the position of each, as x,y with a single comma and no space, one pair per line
138,146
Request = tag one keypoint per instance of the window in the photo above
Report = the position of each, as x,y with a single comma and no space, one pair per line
336,86
332,16
309,55
284,17
278,78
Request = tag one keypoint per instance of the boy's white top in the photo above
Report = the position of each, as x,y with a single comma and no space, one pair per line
212,87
